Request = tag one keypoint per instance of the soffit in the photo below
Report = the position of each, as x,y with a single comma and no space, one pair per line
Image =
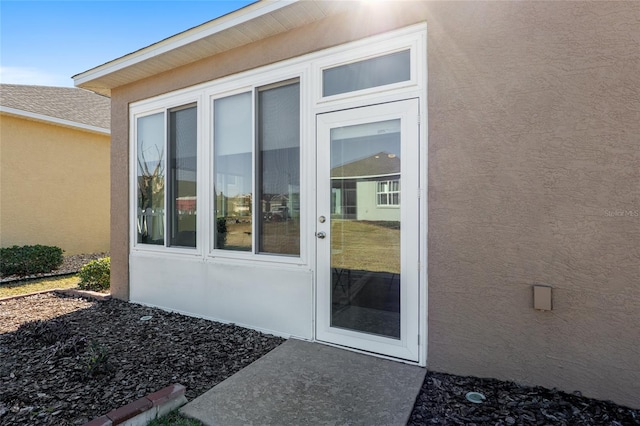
252,23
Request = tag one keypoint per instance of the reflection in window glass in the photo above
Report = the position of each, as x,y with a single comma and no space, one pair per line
389,193
183,143
233,169
365,232
380,71
151,172
279,169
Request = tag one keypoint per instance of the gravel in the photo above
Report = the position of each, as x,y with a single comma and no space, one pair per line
64,361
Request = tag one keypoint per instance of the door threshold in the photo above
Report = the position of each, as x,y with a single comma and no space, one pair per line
373,354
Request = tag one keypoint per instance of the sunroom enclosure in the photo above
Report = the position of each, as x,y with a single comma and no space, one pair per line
264,198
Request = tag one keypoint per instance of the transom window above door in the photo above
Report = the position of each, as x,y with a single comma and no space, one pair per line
374,72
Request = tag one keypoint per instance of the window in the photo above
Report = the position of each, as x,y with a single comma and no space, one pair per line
167,168
183,145
233,186
151,173
388,193
374,72
269,222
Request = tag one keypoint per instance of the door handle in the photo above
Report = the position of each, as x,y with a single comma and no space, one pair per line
321,235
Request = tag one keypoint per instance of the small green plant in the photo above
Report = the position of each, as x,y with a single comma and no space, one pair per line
96,360
95,275
28,260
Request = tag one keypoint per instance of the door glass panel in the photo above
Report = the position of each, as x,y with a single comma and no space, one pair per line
365,228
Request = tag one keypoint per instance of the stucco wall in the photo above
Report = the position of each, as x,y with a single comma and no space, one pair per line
534,120
534,117
54,186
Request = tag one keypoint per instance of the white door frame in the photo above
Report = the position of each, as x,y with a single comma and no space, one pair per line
408,346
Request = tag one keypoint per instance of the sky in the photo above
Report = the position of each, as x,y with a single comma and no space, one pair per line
47,42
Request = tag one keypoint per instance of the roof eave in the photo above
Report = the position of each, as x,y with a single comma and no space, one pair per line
87,79
54,120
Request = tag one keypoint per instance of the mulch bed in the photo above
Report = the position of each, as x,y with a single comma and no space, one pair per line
64,361
87,358
442,401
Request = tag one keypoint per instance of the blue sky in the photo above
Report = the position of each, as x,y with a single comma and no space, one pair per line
47,42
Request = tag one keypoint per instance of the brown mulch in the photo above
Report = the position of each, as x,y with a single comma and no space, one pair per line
442,401
65,361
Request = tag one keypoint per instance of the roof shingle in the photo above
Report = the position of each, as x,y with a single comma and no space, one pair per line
66,103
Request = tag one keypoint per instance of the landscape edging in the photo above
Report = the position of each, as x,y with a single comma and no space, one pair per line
64,291
143,410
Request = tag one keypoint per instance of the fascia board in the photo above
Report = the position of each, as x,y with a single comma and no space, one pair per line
54,120
230,20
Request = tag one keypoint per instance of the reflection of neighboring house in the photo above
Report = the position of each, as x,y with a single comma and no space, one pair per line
186,205
367,189
55,144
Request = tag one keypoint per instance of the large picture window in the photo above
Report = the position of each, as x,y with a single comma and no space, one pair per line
151,178
279,165
167,168
270,222
233,186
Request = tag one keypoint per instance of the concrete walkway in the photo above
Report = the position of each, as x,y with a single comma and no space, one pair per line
302,383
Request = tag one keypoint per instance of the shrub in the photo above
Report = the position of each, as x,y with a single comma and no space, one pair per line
28,260
95,275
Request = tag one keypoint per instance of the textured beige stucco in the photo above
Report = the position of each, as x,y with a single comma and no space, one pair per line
534,178
534,120
54,184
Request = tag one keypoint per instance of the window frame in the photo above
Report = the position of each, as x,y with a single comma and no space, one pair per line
347,57
254,86
308,70
147,109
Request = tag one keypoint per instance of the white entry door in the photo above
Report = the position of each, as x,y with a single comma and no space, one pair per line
367,228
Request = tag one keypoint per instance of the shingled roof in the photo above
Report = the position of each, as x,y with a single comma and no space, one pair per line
61,104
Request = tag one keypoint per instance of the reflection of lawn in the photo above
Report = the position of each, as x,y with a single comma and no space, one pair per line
239,236
356,245
365,246
278,237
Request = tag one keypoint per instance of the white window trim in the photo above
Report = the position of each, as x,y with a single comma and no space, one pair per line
164,108
308,69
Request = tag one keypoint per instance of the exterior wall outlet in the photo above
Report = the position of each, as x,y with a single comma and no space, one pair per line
542,297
